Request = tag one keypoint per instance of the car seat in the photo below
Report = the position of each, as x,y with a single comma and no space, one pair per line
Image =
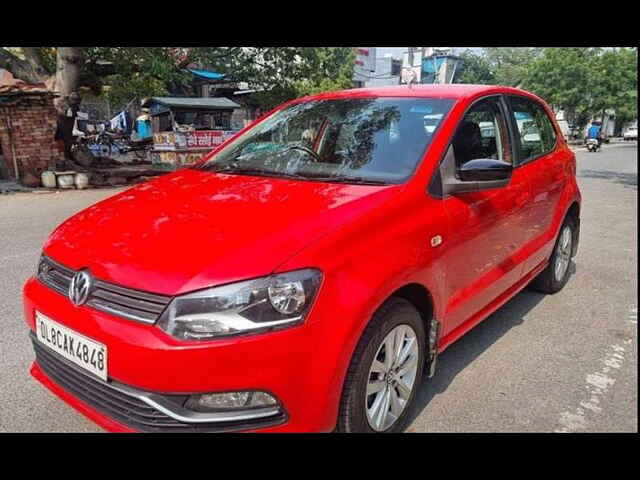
467,142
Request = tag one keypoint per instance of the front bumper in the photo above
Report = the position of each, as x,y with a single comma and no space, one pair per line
142,358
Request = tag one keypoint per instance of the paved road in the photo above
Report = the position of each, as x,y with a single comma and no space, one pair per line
566,362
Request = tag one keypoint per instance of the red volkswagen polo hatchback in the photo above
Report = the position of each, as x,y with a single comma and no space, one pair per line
305,275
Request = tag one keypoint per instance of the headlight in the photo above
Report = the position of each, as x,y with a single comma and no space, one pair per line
253,306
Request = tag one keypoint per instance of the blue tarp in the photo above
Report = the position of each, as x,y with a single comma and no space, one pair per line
522,115
430,68
206,74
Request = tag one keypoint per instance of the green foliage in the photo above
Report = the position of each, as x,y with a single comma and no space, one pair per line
510,65
496,66
280,73
134,72
47,57
615,83
474,69
325,69
284,73
564,78
586,81
581,81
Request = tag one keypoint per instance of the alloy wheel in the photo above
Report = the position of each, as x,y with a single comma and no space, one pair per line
563,254
392,376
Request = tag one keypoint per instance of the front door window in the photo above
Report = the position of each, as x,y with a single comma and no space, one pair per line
482,133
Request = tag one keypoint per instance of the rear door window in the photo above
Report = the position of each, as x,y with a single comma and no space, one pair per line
536,133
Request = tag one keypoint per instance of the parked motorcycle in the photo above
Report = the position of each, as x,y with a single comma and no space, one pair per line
140,148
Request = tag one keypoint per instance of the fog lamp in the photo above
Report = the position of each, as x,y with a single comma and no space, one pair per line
215,402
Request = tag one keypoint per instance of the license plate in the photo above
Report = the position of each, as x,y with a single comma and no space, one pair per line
84,352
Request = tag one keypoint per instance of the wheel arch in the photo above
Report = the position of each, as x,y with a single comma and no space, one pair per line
420,297
574,210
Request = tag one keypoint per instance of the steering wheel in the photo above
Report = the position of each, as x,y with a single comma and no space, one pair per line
313,154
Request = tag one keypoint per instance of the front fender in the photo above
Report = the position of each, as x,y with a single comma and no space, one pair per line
364,263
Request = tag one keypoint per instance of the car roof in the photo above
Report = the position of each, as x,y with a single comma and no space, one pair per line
453,91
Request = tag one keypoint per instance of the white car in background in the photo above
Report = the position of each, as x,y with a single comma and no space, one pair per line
630,133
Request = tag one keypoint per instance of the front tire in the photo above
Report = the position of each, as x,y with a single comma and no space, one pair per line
385,371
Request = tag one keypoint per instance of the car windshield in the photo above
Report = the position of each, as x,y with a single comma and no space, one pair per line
355,140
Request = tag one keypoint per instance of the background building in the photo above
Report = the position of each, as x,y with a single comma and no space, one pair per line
379,66
365,65
27,130
429,65
387,72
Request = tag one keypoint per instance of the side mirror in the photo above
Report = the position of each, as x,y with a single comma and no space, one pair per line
473,176
484,170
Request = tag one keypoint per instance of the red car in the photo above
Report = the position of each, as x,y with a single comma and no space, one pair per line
305,275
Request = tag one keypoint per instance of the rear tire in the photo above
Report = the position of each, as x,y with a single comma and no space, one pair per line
553,278
398,324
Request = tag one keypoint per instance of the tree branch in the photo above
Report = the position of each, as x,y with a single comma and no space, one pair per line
32,55
22,69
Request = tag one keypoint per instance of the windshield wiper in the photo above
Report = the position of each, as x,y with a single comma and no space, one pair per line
234,168
354,180
257,171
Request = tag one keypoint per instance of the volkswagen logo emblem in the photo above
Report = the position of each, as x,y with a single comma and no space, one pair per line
80,287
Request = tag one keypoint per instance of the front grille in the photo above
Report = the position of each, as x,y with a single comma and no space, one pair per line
55,275
104,296
126,409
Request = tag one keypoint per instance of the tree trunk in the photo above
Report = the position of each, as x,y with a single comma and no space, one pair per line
68,68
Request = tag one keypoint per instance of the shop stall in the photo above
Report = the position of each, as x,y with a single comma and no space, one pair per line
184,129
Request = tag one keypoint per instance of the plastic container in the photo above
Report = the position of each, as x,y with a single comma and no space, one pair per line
65,181
81,180
48,179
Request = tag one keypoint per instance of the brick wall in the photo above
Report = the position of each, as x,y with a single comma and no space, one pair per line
33,121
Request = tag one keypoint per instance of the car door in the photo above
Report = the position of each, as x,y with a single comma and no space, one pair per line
486,227
540,159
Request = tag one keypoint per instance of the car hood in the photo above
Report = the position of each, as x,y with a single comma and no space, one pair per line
192,229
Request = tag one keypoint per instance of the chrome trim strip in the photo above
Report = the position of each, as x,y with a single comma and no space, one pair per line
187,416
132,292
201,417
119,313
